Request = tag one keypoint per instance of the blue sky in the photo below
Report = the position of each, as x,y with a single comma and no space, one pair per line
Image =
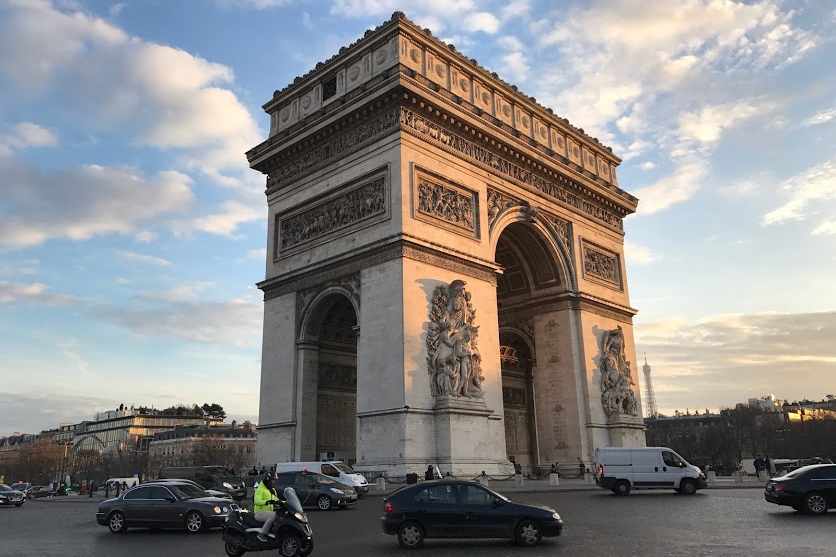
132,231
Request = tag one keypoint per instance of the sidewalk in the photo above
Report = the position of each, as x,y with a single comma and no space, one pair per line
567,485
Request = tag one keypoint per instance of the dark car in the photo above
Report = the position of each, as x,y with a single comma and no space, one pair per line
210,492
317,490
38,491
9,496
218,478
811,489
169,505
460,509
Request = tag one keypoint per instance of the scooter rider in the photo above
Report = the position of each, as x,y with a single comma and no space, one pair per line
265,497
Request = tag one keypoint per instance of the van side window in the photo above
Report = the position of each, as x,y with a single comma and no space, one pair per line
329,470
671,459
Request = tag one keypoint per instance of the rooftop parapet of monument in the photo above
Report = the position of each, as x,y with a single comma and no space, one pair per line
400,42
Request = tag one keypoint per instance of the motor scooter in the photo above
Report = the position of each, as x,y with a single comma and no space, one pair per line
290,534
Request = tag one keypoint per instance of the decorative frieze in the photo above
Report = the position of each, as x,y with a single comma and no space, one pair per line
331,216
337,377
386,122
601,265
434,132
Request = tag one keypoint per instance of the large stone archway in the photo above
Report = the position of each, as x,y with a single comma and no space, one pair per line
475,226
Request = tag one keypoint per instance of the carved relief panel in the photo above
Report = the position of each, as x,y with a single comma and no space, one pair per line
347,208
601,265
445,204
588,161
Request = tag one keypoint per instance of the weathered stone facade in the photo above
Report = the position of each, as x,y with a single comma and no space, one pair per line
398,172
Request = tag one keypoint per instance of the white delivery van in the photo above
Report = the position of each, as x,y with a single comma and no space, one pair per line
341,472
621,469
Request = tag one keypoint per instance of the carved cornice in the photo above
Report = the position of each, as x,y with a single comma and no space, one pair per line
279,286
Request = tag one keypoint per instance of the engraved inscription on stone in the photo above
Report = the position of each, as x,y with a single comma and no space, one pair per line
601,265
446,203
335,423
362,202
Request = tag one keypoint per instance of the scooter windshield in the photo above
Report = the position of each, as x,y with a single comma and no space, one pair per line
293,501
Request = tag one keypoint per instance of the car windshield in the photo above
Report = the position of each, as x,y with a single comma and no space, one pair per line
220,471
344,468
188,491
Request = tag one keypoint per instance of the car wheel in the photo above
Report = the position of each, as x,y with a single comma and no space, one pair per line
116,523
528,533
324,502
410,535
688,487
815,503
234,549
290,545
622,487
195,523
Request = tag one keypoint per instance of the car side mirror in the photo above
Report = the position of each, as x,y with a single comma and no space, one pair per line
496,503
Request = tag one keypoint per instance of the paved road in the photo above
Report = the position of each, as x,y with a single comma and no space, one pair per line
711,523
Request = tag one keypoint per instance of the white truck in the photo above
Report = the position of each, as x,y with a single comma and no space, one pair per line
621,469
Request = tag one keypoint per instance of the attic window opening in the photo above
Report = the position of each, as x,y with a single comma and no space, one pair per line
329,88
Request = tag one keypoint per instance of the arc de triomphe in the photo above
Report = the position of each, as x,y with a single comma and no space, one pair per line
445,276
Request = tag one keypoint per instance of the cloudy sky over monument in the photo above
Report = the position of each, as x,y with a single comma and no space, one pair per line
132,231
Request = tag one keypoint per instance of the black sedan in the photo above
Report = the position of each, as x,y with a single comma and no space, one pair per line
38,491
811,489
317,490
459,509
9,496
169,505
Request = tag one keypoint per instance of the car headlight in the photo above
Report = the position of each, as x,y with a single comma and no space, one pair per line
217,510
338,491
227,485
556,516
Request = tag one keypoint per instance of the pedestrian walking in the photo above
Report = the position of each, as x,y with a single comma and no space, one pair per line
758,466
91,488
581,468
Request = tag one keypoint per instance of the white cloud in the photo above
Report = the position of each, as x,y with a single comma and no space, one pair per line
515,8
225,221
146,236
816,184
675,188
34,293
164,97
182,292
259,254
826,228
254,4
234,323
116,9
820,118
481,21
83,202
647,165
25,135
639,255
744,188
143,258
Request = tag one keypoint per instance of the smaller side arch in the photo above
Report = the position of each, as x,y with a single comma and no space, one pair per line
316,307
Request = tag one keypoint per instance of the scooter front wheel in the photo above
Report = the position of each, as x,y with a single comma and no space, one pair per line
290,545
234,549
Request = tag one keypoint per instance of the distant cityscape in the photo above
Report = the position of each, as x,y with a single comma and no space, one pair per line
129,441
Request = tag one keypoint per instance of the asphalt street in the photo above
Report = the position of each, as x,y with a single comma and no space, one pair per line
661,523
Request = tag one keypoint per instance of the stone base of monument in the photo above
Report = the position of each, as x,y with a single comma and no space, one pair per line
463,441
554,480
626,431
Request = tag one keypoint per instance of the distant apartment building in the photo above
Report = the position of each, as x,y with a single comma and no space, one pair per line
768,402
231,444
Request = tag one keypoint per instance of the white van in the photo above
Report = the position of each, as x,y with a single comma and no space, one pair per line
621,469
336,469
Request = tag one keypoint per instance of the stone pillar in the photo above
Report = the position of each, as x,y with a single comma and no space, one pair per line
307,374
